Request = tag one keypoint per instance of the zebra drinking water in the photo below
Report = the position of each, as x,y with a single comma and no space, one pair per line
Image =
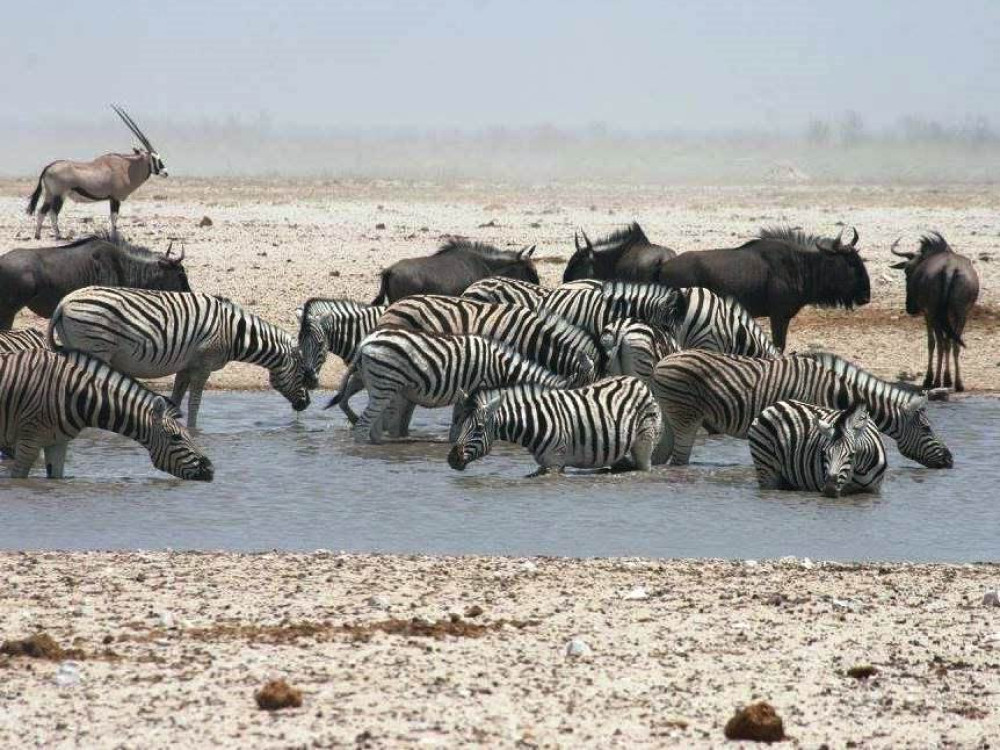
150,334
432,369
337,326
49,397
613,423
797,446
730,391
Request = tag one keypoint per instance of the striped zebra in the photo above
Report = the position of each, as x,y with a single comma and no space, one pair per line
797,446
49,397
634,348
337,326
401,369
613,423
730,391
541,337
22,340
501,290
149,334
593,309
704,320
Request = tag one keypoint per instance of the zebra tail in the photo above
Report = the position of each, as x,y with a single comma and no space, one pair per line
334,400
50,335
383,292
944,309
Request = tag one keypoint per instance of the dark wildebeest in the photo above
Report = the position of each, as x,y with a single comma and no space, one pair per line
452,269
38,278
943,286
777,274
626,255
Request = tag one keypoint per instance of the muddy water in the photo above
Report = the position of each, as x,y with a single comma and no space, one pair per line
298,482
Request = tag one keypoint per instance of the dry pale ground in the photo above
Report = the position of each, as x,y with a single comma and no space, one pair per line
176,643
274,243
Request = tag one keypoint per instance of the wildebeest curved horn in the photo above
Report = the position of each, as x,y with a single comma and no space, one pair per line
170,247
180,258
576,241
840,236
586,239
894,251
526,252
854,242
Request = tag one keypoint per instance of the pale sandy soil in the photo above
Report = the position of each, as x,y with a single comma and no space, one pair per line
274,243
176,644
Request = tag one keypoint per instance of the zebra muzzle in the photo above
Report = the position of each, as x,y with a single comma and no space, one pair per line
831,489
456,459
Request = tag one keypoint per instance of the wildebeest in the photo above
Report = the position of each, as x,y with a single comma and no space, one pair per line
38,278
111,177
452,269
625,255
943,286
777,274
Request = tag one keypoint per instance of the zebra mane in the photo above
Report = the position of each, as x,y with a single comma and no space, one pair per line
482,396
308,305
101,371
801,240
458,244
624,236
859,377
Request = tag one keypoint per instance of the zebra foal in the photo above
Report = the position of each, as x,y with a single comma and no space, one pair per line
149,334
730,391
49,397
613,423
797,446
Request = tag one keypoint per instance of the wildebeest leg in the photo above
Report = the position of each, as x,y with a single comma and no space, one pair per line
197,382
26,451
779,331
55,460
57,204
181,382
949,345
939,336
959,385
929,376
115,206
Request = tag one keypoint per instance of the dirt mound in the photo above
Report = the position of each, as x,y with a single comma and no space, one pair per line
758,722
40,646
276,695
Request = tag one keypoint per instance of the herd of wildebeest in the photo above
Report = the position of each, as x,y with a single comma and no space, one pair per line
618,368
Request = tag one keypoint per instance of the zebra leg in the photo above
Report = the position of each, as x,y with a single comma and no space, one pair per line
350,384
369,425
684,436
55,460
25,455
398,423
181,382
57,204
115,207
197,381
929,376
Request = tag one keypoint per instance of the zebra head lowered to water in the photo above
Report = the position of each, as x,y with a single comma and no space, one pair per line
111,177
49,397
613,423
800,446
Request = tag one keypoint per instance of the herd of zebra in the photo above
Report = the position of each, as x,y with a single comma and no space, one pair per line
592,374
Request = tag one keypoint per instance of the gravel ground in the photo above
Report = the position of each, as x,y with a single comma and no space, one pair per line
274,243
175,644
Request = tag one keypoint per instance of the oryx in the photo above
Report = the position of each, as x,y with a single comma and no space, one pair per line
111,177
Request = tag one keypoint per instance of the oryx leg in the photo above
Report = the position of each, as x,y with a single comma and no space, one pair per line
929,376
26,453
57,204
198,378
55,460
40,216
115,207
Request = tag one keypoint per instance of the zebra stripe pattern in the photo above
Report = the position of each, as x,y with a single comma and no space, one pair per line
593,309
49,397
149,334
432,370
612,423
704,320
541,337
21,341
730,391
336,326
501,290
797,446
634,348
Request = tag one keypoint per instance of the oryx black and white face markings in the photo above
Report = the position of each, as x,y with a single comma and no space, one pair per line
600,425
111,177
800,446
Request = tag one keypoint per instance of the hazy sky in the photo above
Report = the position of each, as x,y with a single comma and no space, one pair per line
649,65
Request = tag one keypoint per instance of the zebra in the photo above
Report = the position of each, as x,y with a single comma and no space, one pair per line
593,308
151,334
612,423
730,391
23,340
338,326
798,446
431,369
49,397
704,320
542,337
502,290
634,348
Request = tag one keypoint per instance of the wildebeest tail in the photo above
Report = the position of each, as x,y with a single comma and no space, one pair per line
383,290
33,200
944,308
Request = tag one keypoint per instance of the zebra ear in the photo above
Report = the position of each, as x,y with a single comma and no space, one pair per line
826,429
159,407
298,314
915,405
